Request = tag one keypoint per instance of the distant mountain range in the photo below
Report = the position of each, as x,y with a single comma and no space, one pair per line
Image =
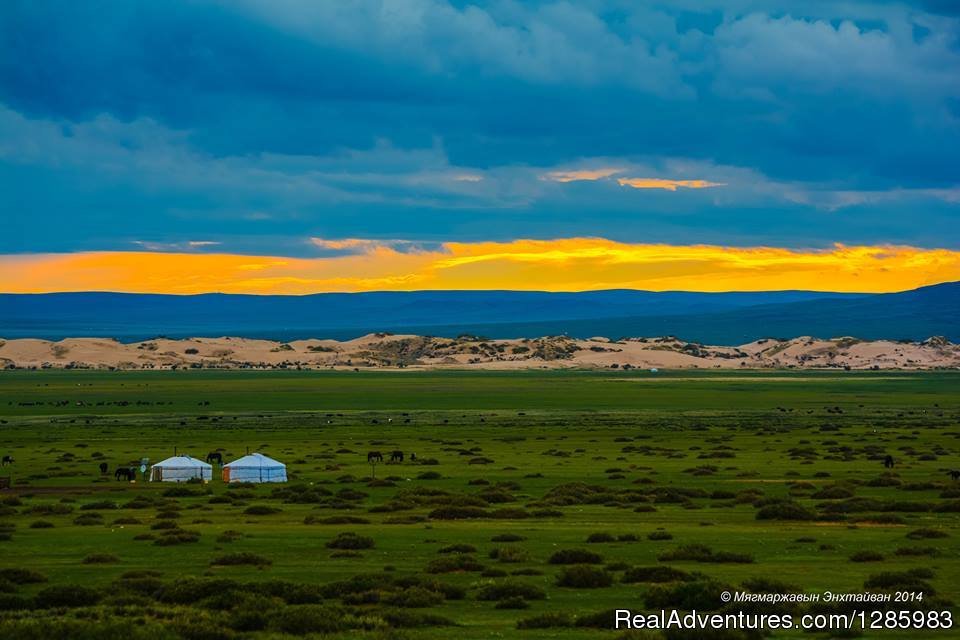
715,318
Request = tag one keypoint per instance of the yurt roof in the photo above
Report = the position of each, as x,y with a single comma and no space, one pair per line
180,462
255,460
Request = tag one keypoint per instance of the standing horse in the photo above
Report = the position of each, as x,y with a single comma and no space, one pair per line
396,456
103,468
374,455
954,475
7,460
888,462
215,456
125,473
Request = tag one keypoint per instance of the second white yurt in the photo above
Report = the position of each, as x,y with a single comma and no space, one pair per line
255,467
180,469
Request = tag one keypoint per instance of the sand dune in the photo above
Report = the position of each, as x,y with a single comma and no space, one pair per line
400,351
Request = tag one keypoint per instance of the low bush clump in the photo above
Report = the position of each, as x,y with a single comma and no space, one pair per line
546,621
261,510
510,589
514,602
703,553
458,548
453,563
350,540
575,556
100,558
584,576
72,595
508,537
511,553
926,533
601,537
655,574
866,556
242,558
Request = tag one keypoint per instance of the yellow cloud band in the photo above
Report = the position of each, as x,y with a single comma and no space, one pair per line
669,185
569,264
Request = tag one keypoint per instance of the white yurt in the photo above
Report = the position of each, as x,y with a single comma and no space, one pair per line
180,469
255,467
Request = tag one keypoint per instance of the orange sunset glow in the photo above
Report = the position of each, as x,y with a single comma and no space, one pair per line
569,264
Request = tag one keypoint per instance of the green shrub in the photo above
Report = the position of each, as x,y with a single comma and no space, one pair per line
22,576
509,554
458,548
261,510
510,589
88,519
546,621
453,563
584,576
305,619
457,513
698,594
508,537
413,598
703,553
785,510
72,595
655,574
575,556
350,540
242,558
513,602
100,558
866,556
601,537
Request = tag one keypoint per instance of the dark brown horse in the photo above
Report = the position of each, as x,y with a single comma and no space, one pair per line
888,462
103,468
396,456
125,473
215,456
374,455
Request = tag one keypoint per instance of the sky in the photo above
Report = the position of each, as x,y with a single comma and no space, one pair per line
292,146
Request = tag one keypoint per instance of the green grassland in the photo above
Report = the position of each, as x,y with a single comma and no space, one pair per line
778,476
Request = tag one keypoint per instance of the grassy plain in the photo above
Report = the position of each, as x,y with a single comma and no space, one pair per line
550,457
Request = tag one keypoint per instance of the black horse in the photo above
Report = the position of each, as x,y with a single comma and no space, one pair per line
413,457
374,455
396,456
7,460
103,468
954,474
888,462
125,473
215,456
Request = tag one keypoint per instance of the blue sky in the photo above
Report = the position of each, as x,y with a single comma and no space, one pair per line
254,126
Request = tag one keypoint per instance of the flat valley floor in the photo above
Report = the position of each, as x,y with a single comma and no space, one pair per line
539,500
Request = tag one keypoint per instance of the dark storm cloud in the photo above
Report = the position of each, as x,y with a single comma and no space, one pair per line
132,122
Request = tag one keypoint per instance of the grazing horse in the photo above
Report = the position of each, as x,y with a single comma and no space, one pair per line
888,462
954,474
7,460
125,473
374,455
215,456
396,456
103,468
